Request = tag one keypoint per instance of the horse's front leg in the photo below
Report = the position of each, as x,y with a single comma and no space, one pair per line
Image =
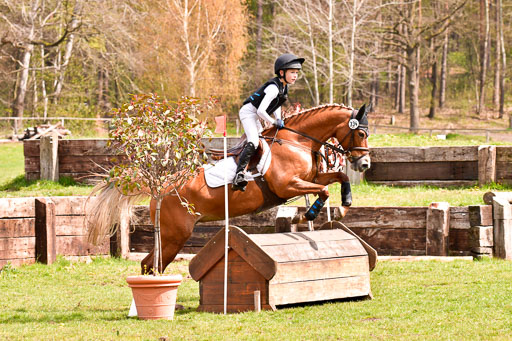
346,191
297,187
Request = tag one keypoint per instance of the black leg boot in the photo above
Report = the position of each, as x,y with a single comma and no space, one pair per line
239,182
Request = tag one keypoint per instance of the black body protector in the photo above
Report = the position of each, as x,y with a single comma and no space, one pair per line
257,97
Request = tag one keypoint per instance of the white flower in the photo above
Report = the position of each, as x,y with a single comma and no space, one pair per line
140,133
129,120
130,107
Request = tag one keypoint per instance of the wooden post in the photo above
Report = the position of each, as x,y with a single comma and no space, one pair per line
120,241
257,301
502,213
486,164
45,230
438,227
48,157
284,218
481,241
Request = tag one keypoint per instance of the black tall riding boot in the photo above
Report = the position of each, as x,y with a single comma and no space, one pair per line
239,182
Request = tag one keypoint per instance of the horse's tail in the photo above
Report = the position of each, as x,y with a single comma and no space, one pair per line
104,211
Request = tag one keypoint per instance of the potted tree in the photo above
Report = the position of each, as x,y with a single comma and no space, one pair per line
162,144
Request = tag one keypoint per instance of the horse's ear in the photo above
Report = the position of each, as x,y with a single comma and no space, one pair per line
361,112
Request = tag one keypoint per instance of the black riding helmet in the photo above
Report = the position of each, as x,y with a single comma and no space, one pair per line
287,61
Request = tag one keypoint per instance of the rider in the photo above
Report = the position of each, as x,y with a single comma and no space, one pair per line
267,100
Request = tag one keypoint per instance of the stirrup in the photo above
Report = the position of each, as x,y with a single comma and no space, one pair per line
239,182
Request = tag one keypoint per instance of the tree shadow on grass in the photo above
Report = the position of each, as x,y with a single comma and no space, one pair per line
63,317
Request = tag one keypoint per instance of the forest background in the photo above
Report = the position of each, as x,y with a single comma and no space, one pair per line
419,58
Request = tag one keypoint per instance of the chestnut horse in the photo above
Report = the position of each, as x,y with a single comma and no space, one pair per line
293,171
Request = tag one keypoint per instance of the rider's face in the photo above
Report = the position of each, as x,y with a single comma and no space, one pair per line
291,76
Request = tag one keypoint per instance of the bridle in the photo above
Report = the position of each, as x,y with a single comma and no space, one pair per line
354,124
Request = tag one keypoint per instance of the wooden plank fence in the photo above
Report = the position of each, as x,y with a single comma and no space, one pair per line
440,166
40,228
84,159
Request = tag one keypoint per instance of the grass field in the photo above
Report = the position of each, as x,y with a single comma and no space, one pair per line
426,300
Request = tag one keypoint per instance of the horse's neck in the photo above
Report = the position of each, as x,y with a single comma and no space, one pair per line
322,124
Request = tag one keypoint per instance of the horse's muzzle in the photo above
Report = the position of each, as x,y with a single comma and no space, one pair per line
361,164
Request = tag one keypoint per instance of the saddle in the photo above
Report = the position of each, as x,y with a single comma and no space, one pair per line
218,154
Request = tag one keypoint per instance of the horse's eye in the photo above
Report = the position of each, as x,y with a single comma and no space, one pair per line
361,134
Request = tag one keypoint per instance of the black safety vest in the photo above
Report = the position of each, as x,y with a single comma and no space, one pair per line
257,96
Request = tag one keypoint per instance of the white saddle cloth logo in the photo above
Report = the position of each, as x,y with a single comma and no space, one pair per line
214,173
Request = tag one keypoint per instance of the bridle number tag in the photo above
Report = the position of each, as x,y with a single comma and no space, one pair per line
353,124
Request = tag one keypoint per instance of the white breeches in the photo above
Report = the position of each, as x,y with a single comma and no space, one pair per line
250,122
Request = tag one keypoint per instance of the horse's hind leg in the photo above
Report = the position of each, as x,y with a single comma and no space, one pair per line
176,226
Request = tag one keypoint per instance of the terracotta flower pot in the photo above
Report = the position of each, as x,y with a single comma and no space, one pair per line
155,296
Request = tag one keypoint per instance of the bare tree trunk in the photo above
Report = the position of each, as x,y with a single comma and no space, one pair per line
259,29
433,82
374,98
331,60
35,100
444,72
484,50
350,79
497,62
19,101
412,75
43,86
316,92
403,82
397,86
503,63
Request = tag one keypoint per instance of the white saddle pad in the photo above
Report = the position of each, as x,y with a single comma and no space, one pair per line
214,173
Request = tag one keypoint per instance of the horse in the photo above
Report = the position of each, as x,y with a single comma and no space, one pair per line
293,172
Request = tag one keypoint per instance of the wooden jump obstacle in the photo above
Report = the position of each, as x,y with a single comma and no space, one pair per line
283,268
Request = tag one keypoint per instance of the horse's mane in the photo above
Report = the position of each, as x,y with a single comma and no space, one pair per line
290,117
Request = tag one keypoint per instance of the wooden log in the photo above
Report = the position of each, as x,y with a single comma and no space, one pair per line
455,170
435,183
319,290
17,227
489,196
459,218
14,248
424,154
480,215
486,165
284,218
438,227
17,208
49,159
46,247
481,236
502,228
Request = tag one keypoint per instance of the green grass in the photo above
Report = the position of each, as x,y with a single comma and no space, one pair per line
11,161
425,300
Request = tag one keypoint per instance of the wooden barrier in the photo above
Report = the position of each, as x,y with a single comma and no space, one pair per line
285,268
440,166
40,228
84,159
